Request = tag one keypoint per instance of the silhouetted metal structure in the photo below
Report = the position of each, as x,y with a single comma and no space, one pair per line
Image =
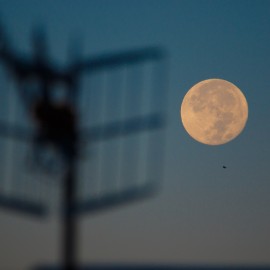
56,123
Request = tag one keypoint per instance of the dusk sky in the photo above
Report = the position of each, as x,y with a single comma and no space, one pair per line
203,214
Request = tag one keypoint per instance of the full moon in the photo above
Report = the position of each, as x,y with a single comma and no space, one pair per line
214,111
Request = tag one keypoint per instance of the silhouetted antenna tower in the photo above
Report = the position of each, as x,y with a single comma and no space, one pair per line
113,102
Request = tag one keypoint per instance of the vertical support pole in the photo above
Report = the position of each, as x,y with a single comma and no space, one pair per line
69,218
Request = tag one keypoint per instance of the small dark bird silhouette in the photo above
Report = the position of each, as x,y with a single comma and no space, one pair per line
224,167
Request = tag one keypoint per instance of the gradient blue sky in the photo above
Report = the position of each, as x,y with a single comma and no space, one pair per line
204,214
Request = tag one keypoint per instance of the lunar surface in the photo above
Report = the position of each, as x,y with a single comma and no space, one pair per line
214,111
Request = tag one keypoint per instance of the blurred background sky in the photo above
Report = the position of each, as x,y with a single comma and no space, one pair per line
203,214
